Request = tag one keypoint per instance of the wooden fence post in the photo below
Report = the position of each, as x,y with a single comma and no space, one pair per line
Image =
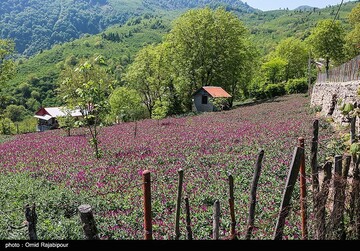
31,218
232,208
216,220
313,159
178,204
303,204
188,219
290,183
88,221
336,230
354,205
147,205
320,203
353,137
252,203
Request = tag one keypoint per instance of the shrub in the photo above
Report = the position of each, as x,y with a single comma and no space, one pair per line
273,90
299,85
7,127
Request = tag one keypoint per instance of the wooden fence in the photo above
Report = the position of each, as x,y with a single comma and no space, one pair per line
343,73
336,194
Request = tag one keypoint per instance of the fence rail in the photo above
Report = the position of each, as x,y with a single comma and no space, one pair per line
346,72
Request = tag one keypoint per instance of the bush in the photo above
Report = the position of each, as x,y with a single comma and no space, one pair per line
29,124
299,85
256,90
273,90
7,127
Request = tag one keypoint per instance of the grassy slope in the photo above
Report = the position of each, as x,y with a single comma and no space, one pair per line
45,63
268,28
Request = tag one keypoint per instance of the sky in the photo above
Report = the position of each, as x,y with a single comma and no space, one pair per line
291,4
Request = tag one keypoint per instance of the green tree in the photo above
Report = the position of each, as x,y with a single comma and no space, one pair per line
274,70
327,41
295,53
352,39
7,67
126,104
67,122
87,87
149,74
209,47
15,112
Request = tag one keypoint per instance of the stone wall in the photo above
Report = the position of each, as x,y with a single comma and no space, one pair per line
325,95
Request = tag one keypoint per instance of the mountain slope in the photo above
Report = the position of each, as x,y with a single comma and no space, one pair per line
36,25
118,44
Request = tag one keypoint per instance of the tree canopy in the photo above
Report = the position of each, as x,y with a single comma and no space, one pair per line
209,47
327,41
7,69
87,87
352,39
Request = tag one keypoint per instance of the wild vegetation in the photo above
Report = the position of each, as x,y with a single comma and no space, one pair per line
207,147
133,80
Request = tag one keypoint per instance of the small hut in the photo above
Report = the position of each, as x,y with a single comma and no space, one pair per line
48,117
205,99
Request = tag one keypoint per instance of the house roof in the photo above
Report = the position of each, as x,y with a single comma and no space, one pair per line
215,92
47,113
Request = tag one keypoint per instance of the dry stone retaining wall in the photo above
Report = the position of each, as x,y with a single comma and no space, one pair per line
329,96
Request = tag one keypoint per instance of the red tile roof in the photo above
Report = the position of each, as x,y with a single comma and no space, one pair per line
216,92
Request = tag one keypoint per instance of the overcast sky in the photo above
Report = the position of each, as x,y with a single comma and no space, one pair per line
291,4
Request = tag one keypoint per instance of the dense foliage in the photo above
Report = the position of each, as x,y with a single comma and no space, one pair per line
39,24
37,78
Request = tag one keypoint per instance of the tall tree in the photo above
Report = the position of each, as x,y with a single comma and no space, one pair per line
149,74
294,52
352,39
126,104
327,41
87,87
209,47
274,70
7,66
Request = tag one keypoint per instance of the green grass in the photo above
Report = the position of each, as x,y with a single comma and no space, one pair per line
56,208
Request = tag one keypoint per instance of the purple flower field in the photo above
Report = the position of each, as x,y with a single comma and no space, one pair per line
208,147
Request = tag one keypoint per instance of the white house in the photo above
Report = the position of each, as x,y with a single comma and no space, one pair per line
48,117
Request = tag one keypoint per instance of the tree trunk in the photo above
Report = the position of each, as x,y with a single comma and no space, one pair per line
327,67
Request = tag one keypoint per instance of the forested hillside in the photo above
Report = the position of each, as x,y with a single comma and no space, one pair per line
38,24
37,77
269,27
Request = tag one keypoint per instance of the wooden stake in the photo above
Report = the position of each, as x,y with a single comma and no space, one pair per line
303,204
216,220
147,205
178,204
188,220
290,183
252,205
232,208
320,203
31,218
313,159
337,215
87,219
